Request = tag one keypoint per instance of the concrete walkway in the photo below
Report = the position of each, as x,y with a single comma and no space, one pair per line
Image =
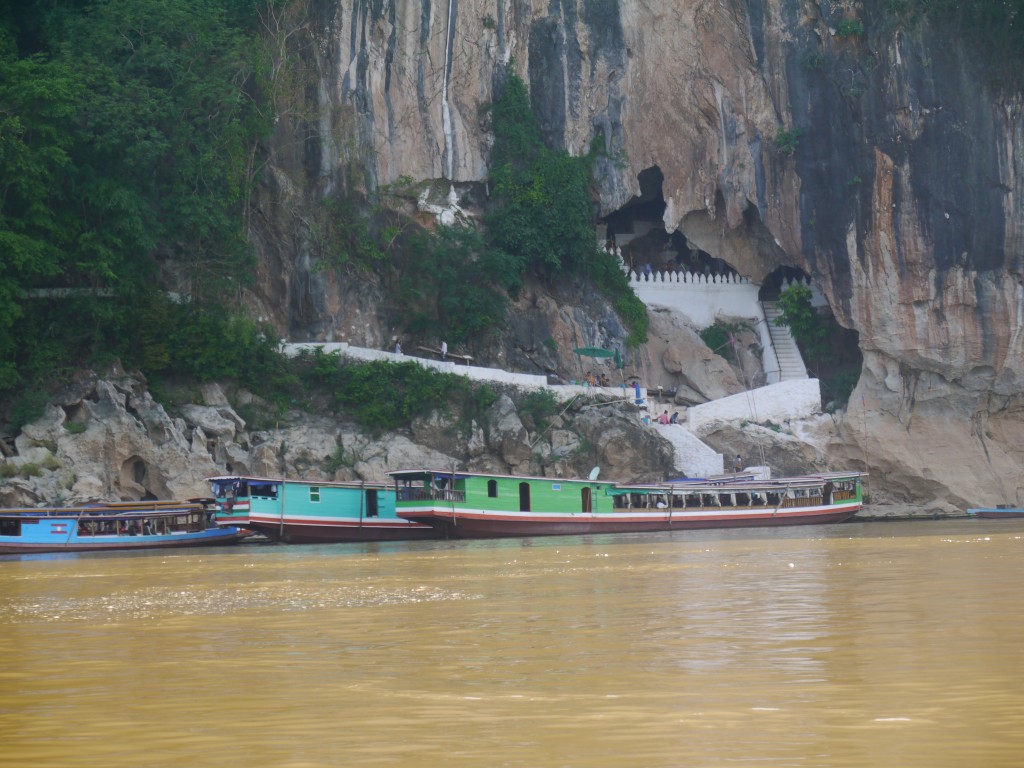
693,458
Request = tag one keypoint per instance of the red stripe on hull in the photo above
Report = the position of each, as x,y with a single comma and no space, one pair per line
326,533
484,526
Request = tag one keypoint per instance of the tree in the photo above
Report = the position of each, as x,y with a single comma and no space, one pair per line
37,110
809,330
543,207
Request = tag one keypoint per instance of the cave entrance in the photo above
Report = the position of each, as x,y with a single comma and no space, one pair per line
782,278
831,353
636,231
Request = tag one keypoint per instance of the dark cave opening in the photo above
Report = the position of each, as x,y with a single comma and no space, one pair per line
637,232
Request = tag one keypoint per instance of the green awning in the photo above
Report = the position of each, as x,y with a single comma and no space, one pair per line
593,352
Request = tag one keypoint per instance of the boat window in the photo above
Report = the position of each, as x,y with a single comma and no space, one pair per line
264,490
314,494
492,489
226,488
587,500
372,509
10,527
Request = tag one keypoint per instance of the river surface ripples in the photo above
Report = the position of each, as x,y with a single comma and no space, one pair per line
863,644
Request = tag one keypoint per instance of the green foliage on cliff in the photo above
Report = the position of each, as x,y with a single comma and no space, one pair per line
720,335
787,141
127,138
544,206
455,284
382,396
543,210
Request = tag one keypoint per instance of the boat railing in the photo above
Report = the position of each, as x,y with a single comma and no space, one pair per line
431,494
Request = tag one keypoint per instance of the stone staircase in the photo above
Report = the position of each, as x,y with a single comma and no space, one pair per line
791,364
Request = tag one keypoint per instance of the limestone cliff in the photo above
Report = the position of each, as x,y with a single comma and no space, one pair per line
106,438
873,156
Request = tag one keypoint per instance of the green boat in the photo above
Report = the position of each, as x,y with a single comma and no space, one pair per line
478,505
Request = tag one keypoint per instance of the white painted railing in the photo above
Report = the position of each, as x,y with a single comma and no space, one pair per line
700,298
686,278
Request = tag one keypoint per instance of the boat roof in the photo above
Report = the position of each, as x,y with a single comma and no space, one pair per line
247,478
296,481
418,473
731,477
100,512
739,483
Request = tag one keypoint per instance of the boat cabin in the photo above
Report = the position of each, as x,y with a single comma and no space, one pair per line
500,493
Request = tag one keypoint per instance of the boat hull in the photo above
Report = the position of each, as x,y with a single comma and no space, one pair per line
480,524
212,537
996,513
290,531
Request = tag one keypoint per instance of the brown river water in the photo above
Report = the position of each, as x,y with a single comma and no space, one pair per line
866,644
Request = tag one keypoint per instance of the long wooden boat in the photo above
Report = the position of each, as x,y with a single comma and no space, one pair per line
309,512
996,513
477,505
117,525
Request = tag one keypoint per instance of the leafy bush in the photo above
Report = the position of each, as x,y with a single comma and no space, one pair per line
787,141
454,284
850,28
718,337
540,405
544,210
808,328
603,269
381,396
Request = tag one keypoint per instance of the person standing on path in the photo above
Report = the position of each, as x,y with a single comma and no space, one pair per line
444,349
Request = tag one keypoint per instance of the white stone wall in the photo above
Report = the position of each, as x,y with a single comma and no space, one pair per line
700,298
692,457
794,399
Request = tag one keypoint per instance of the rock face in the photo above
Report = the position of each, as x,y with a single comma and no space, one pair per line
880,162
107,439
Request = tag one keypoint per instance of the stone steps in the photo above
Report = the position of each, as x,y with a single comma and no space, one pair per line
791,363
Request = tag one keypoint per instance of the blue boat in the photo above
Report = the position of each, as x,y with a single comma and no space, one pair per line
313,511
118,525
1000,512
